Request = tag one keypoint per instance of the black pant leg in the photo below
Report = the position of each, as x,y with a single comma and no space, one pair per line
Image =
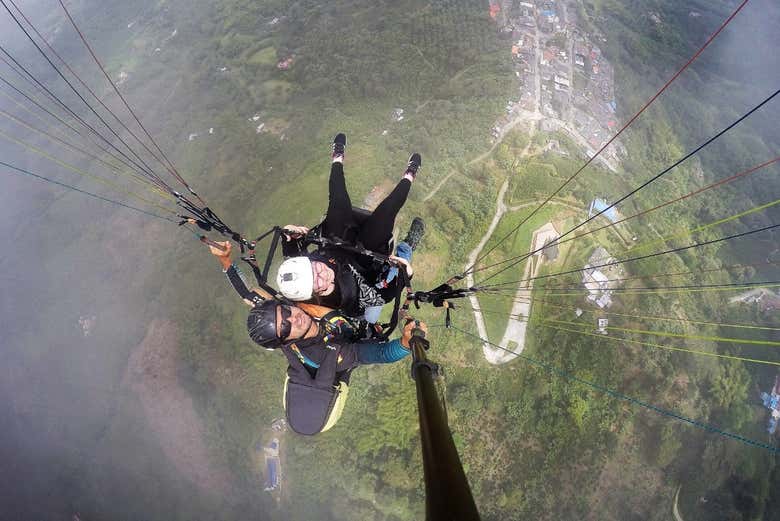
378,228
339,217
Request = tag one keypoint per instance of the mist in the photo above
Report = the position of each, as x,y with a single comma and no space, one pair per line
91,426
75,441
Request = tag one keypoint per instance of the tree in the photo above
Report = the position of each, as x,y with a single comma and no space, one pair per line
730,386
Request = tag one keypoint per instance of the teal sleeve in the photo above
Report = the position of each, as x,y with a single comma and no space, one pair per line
381,353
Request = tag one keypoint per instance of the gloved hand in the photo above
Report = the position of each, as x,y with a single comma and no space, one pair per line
408,328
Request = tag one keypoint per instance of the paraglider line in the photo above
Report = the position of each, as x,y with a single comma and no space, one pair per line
95,96
620,396
26,172
590,160
650,317
645,212
632,259
637,189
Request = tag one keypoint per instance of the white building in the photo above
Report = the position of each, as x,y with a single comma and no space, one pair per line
596,281
602,325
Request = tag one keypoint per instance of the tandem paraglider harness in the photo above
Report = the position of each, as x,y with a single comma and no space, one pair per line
317,238
314,394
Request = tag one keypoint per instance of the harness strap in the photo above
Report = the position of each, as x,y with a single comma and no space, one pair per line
315,237
404,283
330,319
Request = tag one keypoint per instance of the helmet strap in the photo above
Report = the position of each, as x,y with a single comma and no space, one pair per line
314,323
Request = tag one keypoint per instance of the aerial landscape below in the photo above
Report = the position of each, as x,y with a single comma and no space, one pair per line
212,207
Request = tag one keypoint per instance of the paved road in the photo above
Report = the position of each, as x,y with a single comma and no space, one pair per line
514,334
533,116
675,510
573,133
513,338
492,354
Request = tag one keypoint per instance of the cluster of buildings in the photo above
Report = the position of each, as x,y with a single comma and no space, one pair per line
562,72
766,299
594,105
600,280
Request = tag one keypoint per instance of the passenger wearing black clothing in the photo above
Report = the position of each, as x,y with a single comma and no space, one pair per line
342,279
377,230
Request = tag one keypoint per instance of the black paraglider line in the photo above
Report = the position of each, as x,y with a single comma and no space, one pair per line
690,154
206,217
611,224
522,318
79,190
75,130
632,259
153,187
626,291
78,78
641,290
147,171
666,274
169,166
72,88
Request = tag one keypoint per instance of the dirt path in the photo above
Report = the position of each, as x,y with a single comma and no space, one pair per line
461,72
422,105
504,131
152,374
429,64
512,124
560,202
170,94
487,349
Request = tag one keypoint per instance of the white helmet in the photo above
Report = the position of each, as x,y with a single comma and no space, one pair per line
295,278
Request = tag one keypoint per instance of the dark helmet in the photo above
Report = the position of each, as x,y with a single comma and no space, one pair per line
261,324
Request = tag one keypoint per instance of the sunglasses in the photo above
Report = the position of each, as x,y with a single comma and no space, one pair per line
285,326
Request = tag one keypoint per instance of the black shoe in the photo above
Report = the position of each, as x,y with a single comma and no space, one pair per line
339,145
415,234
415,162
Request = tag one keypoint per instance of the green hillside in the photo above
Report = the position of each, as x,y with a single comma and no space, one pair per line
539,439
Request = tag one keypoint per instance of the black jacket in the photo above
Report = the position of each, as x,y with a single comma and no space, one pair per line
356,278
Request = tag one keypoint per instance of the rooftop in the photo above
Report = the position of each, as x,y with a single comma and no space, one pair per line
600,205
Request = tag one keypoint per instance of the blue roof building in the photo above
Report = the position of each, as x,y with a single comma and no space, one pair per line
599,205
